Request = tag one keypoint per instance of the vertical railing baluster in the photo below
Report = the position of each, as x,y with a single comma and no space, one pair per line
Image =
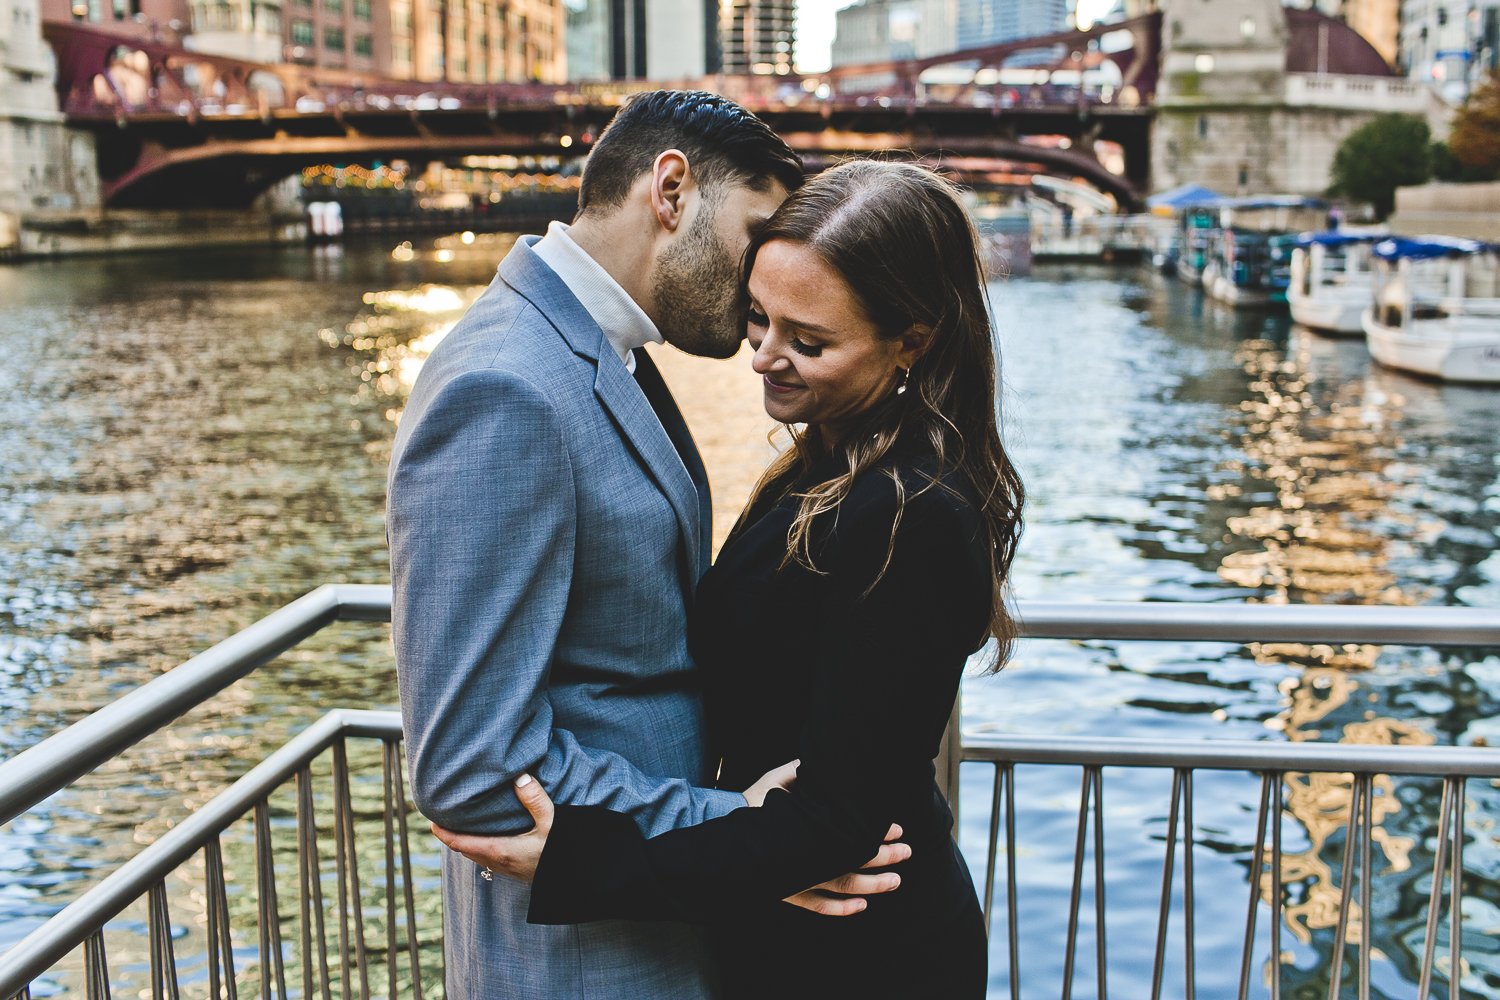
163,954
351,855
1276,888
1189,945
1456,893
1168,870
1011,908
389,823
1352,834
413,946
221,941
1435,897
1076,896
1099,949
307,874
991,857
341,861
96,968
1257,865
1367,836
273,965
320,928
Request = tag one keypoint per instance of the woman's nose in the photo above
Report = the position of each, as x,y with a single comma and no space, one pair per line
767,359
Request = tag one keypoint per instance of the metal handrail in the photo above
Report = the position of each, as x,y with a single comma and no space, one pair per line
58,761
48,944
53,764
61,759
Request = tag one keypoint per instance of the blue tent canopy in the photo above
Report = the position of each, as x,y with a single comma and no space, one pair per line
1185,196
1337,238
1425,247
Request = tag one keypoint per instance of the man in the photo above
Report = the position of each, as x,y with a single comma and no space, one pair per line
548,521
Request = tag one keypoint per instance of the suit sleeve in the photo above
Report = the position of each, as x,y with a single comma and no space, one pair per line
481,522
888,666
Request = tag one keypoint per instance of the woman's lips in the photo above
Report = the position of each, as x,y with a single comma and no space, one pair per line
777,387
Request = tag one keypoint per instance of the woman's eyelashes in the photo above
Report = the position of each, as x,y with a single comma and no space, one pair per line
757,319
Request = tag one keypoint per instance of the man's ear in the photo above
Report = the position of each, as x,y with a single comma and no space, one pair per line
672,188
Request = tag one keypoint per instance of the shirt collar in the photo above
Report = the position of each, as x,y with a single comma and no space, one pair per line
625,324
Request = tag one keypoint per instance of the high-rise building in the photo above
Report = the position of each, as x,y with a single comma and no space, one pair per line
758,36
881,30
989,22
668,40
1452,44
470,41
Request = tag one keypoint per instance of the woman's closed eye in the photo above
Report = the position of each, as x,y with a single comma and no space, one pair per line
805,349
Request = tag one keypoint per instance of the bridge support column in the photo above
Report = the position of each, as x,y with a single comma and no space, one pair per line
46,168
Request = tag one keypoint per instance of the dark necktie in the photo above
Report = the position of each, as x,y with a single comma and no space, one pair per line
655,388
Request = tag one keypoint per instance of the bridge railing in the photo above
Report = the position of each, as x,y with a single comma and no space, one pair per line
335,930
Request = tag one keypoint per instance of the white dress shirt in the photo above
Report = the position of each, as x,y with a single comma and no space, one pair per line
625,324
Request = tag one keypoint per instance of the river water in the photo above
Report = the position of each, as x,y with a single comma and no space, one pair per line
191,440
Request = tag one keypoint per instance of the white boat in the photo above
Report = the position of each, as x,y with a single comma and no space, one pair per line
1331,282
1449,332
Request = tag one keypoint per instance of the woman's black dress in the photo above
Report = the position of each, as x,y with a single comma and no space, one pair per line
856,682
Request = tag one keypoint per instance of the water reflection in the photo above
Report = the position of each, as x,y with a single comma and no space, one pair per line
190,441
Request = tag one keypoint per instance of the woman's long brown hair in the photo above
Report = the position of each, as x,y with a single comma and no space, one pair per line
901,239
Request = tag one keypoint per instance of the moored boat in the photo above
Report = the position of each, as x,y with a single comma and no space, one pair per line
1249,261
1448,328
1331,284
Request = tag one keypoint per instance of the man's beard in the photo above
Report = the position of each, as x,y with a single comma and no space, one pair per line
696,293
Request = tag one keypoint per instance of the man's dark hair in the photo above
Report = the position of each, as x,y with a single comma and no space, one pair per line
722,142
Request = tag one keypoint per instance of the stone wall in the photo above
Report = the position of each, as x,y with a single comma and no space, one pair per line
1471,210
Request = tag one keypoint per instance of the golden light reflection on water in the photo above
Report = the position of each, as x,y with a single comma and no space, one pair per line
1323,466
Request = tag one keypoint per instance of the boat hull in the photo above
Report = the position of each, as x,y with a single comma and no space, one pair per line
1449,349
1331,313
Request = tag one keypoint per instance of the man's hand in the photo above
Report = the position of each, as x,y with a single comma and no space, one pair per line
844,896
515,856
781,777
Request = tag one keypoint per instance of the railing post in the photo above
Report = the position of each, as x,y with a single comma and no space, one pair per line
950,755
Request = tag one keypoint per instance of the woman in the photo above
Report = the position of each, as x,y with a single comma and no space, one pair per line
834,627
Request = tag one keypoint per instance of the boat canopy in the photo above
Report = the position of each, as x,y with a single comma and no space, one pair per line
1184,196
1426,247
1337,238
1272,201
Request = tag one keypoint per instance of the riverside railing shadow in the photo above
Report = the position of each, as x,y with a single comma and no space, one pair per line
327,942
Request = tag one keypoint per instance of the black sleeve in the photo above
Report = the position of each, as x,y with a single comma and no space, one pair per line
887,663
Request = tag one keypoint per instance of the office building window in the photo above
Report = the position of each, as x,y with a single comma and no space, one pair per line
334,6
362,9
302,33
364,45
333,38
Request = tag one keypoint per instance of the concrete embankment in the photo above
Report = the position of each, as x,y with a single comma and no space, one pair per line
67,233
1471,210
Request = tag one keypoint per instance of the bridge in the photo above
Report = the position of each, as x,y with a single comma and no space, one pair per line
178,128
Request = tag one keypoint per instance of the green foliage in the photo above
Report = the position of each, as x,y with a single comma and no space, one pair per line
1475,139
1445,167
1389,152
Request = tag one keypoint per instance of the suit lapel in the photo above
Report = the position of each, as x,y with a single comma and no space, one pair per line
620,396
625,401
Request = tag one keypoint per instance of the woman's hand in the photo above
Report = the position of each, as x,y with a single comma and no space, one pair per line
780,777
515,856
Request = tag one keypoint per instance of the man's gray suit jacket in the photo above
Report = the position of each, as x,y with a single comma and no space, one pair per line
545,539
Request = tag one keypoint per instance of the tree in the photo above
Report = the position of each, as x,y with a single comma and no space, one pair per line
1445,167
1389,152
1475,139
